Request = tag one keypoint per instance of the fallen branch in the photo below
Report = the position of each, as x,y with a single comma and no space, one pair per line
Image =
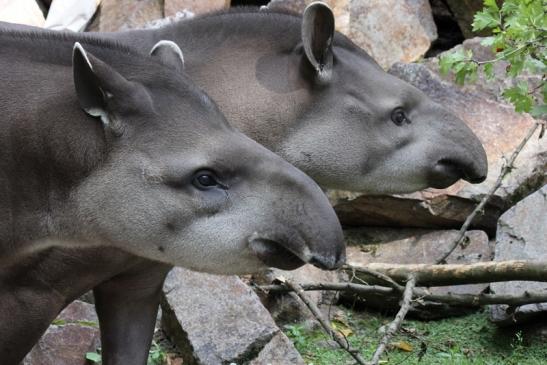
480,272
505,170
394,326
464,300
344,344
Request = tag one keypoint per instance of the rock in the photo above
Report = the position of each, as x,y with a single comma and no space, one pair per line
444,211
499,128
114,15
340,8
521,236
75,332
393,30
389,30
172,7
217,319
279,350
283,308
416,246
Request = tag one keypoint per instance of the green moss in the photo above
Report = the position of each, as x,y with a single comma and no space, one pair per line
471,339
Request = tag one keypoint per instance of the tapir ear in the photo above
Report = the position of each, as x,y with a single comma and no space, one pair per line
168,53
96,83
317,37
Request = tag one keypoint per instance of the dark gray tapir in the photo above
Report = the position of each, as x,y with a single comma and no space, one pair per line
152,176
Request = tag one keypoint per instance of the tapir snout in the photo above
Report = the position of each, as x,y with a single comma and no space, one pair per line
303,227
460,154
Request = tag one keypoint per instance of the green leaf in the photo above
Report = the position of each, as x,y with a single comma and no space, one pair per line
491,4
518,96
489,71
539,111
484,19
93,357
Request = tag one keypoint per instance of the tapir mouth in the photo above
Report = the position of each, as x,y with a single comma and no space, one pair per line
275,254
446,172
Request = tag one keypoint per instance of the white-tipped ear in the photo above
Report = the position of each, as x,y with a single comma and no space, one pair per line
317,38
169,53
88,89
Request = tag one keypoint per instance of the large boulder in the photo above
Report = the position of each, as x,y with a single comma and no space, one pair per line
521,235
390,30
114,15
66,341
172,7
415,246
220,320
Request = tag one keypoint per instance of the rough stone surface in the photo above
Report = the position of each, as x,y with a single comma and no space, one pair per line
114,15
392,30
522,235
278,351
442,211
284,308
416,246
76,332
215,319
172,7
340,8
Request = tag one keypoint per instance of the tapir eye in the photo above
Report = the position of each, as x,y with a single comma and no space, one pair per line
205,180
399,117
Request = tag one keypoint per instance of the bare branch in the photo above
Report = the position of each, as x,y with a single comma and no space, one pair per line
394,326
480,272
344,344
464,300
506,169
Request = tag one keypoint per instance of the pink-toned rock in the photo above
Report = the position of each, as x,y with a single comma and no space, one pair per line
392,30
218,320
172,7
74,332
340,8
117,15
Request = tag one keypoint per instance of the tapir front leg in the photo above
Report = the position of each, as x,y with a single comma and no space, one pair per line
127,306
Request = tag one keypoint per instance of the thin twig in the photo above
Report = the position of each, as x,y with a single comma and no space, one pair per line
394,326
506,168
344,344
375,274
465,300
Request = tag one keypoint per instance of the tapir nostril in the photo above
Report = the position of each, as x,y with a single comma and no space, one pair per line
468,171
327,263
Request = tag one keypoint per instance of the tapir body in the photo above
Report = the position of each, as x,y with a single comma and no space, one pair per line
152,176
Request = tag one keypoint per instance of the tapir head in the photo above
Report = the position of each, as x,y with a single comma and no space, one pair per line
369,131
180,186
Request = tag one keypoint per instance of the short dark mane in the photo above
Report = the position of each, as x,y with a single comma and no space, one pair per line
57,36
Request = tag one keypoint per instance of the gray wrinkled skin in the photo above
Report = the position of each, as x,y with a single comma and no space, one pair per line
107,201
333,123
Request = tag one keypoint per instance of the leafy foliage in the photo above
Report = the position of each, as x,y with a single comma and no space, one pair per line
519,37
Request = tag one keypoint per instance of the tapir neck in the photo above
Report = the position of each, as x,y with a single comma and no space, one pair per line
255,62
47,145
